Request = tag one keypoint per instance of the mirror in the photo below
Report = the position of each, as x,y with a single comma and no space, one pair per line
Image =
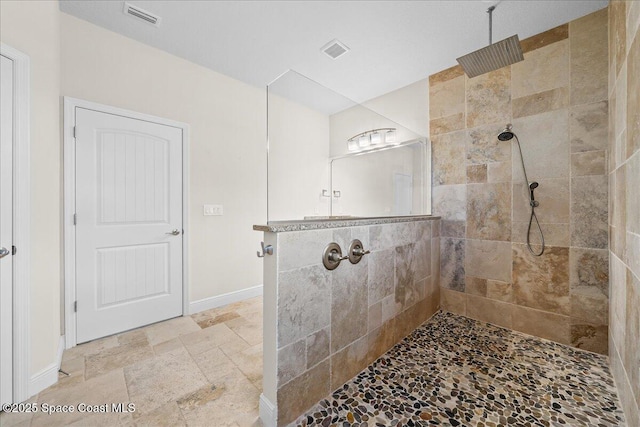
384,182
329,157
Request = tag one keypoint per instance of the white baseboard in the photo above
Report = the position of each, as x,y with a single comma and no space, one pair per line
268,412
224,299
43,379
49,375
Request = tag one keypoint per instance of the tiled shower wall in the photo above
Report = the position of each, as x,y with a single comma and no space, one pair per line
332,324
624,197
557,101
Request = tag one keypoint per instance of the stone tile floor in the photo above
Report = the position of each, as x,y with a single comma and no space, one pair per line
206,370
199,370
454,371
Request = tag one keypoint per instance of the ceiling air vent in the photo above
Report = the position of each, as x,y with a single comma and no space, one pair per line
141,14
334,49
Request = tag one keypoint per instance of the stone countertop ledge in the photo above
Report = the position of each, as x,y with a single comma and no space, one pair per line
328,222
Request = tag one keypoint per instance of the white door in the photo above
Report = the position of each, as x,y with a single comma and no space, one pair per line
6,230
129,223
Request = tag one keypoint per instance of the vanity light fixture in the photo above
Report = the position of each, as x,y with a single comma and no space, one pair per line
352,144
372,138
364,141
390,137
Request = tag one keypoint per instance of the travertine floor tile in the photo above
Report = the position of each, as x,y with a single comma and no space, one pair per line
167,346
235,400
212,337
208,366
164,331
116,357
214,364
168,415
105,389
162,379
249,361
250,331
92,347
17,419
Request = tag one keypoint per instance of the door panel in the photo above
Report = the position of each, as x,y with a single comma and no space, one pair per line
131,273
6,229
132,178
128,202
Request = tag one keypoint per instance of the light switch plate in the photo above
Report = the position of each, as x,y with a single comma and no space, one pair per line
212,210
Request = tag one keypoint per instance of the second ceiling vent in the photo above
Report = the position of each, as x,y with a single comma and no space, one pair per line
335,49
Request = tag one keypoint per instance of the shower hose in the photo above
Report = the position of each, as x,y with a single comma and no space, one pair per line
533,205
531,218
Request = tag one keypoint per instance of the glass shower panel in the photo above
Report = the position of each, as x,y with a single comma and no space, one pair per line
313,131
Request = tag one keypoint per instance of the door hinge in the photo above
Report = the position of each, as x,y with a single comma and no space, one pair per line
75,219
13,250
75,306
74,131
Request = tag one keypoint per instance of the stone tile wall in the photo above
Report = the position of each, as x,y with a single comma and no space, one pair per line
332,324
557,101
624,203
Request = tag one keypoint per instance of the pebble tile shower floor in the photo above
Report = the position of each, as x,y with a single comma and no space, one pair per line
454,371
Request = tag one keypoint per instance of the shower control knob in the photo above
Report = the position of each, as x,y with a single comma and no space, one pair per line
332,256
356,251
335,256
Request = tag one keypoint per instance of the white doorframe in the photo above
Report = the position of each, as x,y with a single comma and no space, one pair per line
21,220
70,105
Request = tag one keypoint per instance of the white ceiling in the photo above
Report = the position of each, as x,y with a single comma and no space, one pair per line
393,43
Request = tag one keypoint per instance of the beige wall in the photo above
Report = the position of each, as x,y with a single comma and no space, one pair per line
405,109
32,27
557,101
227,122
407,106
227,119
624,216
298,160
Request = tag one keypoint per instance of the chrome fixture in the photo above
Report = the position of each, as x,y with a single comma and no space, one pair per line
494,56
4,252
174,232
356,251
372,139
506,135
332,256
266,250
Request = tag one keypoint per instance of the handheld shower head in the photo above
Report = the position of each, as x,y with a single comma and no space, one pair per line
532,199
506,134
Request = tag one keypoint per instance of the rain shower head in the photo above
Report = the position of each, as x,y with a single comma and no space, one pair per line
506,133
494,56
